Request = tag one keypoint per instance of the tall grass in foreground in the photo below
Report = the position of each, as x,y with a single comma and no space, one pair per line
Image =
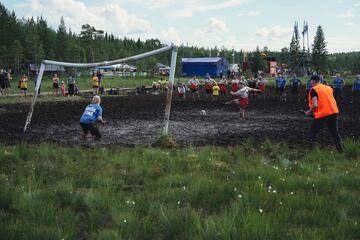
253,191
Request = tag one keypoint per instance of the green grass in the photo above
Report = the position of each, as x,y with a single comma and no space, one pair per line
262,191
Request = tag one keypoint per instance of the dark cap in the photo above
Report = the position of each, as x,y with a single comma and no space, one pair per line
315,78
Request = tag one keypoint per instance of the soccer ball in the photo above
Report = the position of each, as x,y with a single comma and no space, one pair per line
202,112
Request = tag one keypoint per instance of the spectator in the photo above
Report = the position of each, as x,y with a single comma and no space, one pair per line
23,85
71,85
2,82
55,81
76,91
95,84
338,86
99,75
8,82
62,88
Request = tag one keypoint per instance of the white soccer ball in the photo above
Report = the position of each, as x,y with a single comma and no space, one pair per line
202,112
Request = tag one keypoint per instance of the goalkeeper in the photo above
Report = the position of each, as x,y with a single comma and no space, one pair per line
91,115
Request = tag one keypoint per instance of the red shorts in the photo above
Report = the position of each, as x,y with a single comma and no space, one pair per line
262,88
223,89
243,102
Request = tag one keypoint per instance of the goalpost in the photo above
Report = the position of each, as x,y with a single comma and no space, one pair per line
171,48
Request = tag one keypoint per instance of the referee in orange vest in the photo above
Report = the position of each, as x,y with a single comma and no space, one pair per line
323,107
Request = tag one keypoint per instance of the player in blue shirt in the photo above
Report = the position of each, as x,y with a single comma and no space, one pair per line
91,115
356,90
280,83
338,86
322,80
295,82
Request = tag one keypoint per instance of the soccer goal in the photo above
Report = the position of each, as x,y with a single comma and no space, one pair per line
171,48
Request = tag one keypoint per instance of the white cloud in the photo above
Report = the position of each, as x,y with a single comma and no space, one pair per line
273,32
217,26
348,13
350,24
159,4
170,35
198,7
357,4
111,17
250,14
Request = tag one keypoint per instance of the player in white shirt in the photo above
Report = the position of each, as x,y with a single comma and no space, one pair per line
242,97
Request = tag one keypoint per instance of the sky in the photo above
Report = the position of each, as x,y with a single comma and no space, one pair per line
237,24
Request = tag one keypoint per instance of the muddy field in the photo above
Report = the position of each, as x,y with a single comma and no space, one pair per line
138,119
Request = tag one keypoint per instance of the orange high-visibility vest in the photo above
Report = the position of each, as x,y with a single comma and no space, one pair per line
326,101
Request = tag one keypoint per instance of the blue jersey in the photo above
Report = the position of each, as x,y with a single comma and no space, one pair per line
338,83
295,82
280,82
91,114
323,81
308,85
356,85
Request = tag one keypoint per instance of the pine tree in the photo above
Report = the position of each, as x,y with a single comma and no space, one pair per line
16,56
294,49
61,41
319,52
258,63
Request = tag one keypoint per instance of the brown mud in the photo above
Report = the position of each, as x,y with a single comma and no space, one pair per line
138,119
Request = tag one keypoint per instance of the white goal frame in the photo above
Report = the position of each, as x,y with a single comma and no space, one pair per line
171,48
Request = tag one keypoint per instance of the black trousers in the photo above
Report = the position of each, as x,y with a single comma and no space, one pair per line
92,129
338,94
332,123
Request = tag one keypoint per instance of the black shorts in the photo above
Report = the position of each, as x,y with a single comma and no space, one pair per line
2,84
92,129
55,85
210,91
194,90
7,84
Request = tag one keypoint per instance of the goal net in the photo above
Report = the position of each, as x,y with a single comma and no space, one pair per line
171,48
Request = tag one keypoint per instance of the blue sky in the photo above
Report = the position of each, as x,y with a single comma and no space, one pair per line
239,24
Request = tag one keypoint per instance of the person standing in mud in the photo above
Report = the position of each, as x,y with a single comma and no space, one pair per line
261,85
91,115
323,107
295,84
356,90
280,83
242,97
338,85
193,85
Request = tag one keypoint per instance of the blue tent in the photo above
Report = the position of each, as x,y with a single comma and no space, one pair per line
202,66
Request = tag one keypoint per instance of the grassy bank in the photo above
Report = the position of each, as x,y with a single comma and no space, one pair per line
253,191
84,82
